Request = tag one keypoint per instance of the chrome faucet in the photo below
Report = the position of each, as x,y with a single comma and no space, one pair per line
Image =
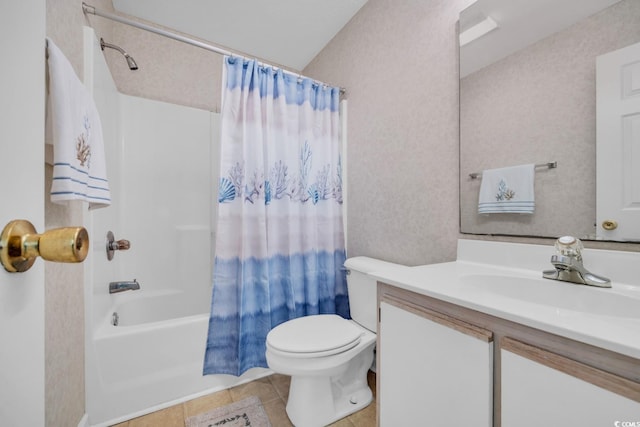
115,287
568,265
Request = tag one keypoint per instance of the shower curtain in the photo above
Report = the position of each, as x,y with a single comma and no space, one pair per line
280,241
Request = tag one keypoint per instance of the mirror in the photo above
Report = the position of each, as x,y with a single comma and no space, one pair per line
527,95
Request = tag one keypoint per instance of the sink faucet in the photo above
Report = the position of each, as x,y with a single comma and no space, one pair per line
568,265
115,287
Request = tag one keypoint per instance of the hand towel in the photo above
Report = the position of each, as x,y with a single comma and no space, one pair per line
79,170
507,190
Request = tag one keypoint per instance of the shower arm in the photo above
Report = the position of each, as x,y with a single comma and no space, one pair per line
104,44
88,9
130,61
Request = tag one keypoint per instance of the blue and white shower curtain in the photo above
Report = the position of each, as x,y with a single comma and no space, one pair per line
280,241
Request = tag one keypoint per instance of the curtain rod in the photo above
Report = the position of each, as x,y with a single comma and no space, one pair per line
86,8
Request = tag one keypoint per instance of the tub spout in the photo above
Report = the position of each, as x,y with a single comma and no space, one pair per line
115,287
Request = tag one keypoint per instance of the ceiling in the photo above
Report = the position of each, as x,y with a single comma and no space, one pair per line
520,23
289,33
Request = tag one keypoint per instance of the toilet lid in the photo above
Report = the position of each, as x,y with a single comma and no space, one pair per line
322,333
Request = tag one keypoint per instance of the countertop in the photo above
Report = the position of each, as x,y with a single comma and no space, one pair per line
604,317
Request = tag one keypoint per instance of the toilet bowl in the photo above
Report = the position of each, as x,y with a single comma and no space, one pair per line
329,383
327,356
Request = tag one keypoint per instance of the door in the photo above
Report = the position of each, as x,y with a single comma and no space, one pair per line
433,370
22,91
618,144
540,388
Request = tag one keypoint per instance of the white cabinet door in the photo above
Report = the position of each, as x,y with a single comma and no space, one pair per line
431,374
618,143
534,394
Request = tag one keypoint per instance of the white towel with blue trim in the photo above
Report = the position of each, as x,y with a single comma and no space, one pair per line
79,170
507,190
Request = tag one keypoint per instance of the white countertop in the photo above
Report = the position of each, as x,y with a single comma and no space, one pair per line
605,317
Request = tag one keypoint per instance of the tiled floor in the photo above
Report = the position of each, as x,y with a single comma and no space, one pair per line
272,391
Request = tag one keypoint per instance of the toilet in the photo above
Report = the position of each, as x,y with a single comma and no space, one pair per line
328,356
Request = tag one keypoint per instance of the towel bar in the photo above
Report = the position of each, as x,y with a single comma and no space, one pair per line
548,165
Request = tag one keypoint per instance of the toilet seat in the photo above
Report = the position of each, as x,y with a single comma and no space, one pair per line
314,336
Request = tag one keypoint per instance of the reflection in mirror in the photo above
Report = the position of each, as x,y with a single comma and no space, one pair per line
527,95
618,144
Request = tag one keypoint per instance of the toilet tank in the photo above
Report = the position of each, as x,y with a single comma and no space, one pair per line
362,287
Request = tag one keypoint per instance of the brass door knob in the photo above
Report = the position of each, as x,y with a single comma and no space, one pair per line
20,245
609,224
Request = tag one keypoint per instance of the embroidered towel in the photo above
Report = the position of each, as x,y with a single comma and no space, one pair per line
507,190
79,171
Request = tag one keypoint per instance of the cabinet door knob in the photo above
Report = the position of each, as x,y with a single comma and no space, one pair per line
609,224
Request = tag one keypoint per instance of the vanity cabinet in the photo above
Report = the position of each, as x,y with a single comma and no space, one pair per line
541,388
431,367
442,364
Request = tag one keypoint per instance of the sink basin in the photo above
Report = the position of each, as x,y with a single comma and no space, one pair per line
556,294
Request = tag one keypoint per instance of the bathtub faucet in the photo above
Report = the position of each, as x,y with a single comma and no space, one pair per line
115,287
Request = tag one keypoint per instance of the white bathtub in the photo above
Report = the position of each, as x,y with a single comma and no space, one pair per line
153,358
158,306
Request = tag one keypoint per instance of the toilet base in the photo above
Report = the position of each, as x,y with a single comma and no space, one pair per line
325,411
316,401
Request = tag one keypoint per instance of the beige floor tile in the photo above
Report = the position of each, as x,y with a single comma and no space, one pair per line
371,379
273,391
262,388
169,417
281,383
277,413
365,417
345,422
206,403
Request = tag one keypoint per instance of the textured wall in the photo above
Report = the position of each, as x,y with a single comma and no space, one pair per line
169,70
539,105
64,293
398,61
403,152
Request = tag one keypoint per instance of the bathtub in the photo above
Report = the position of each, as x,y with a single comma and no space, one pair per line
153,358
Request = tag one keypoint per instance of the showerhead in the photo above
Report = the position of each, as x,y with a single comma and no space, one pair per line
130,61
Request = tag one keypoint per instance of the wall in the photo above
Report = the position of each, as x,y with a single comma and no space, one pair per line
403,153
171,237
64,283
398,61
169,70
403,146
